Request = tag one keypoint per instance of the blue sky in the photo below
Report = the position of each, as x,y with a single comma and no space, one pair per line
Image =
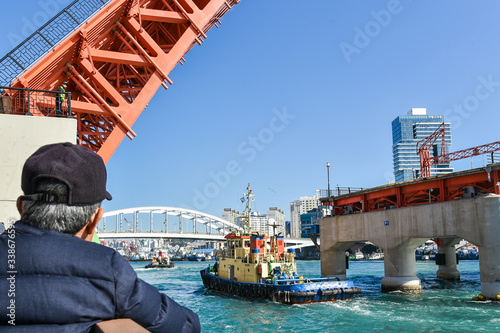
283,87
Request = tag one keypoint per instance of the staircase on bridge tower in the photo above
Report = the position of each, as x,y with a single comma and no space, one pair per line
113,54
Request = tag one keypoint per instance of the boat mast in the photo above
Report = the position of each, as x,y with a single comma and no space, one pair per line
248,210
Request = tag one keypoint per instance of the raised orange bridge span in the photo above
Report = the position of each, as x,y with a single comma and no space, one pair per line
114,55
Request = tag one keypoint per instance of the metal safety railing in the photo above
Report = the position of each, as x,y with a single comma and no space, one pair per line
22,101
336,191
48,36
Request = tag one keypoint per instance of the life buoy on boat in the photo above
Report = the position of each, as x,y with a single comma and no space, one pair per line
259,270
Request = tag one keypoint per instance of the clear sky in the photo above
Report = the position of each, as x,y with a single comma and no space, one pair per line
283,87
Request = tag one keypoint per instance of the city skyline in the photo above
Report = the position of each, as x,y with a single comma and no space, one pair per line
272,103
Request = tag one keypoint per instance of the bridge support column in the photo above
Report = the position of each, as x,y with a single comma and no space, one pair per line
489,267
488,217
333,261
448,269
401,269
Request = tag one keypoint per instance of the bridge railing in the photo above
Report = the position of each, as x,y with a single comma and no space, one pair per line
336,191
22,101
48,36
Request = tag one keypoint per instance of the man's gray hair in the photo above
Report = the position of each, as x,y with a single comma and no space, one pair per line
56,216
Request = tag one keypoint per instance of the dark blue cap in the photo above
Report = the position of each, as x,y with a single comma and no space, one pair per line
81,169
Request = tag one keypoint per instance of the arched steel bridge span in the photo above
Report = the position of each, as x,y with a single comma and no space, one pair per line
172,223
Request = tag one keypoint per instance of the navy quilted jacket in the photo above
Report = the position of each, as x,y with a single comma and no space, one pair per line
54,282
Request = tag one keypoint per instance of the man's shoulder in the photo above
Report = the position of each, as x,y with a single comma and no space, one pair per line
37,240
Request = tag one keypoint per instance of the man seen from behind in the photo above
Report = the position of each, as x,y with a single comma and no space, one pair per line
52,277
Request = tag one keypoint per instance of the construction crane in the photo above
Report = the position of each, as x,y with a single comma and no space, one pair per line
129,224
426,161
113,54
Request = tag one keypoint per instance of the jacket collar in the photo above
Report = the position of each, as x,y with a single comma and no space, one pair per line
23,228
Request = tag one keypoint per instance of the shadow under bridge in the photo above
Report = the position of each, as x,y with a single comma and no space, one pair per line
163,222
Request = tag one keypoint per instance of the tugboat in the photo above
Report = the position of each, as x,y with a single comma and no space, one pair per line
246,268
161,262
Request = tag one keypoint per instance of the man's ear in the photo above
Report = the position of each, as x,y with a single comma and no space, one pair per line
95,219
87,232
19,205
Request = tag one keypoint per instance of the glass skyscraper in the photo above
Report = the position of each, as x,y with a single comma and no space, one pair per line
406,132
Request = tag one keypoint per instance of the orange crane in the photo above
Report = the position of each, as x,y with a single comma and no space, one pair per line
426,161
113,61
129,224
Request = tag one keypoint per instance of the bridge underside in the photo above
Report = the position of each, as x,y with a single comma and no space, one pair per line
400,231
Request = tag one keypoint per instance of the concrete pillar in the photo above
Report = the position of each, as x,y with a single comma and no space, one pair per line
489,246
401,270
333,260
449,270
334,264
489,267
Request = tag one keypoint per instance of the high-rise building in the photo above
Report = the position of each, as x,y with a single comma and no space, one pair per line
298,208
277,218
230,215
407,131
295,219
308,203
259,222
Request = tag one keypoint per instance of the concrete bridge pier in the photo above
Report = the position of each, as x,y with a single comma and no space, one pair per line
448,269
401,268
489,270
333,260
489,248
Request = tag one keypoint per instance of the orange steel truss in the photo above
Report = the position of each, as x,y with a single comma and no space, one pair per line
417,192
117,60
426,161
423,147
469,152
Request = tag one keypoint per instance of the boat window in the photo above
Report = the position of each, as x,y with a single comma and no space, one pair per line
247,243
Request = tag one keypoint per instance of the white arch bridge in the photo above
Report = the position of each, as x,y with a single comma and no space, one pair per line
172,223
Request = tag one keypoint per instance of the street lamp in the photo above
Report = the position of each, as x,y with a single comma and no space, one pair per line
328,172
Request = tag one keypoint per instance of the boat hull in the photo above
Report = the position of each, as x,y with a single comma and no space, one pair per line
285,291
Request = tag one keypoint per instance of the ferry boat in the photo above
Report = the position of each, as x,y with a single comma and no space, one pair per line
247,268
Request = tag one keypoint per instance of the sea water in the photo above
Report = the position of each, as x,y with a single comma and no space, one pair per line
443,306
